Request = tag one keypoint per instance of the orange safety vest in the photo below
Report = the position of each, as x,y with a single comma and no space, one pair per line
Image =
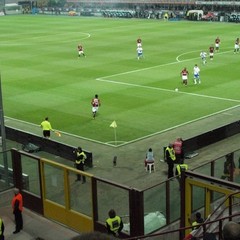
19,198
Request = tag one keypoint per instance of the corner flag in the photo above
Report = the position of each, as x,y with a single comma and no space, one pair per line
113,124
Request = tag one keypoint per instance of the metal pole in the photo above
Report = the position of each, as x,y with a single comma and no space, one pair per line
3,135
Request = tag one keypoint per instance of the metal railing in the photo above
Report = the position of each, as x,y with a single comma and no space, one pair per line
213,226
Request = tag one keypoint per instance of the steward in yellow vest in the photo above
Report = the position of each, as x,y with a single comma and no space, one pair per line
114,223
79,163
1,229
180,167
170,158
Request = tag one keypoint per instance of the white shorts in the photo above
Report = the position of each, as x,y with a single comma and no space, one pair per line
94,109
80,52
217,45
210,54
184,77
236,46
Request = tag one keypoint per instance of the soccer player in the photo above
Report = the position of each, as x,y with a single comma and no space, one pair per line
196,74
217,44
184,74
211,52
203,56
139,42
80,51
95,105
236,46
139,52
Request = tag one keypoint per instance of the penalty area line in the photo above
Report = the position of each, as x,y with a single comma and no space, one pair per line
168,90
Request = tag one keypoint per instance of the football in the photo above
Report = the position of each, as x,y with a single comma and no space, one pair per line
176,89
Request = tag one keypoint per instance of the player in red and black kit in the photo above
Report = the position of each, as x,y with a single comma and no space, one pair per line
184,73
211,52
80,51
139,42
95,105
217,44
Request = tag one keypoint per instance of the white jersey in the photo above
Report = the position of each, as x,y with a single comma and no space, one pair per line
203,55
139,50
196,76
196,71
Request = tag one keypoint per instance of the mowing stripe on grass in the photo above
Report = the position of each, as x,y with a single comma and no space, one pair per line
137,139
168,90
103,79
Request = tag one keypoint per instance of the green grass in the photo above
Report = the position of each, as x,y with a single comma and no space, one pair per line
42,76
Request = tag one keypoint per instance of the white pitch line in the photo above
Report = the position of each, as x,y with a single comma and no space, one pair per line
180,125
63,133
103,79
168,90
137,70
135,85
135,140
156,66
177,58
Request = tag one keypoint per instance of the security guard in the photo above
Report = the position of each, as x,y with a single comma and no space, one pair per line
79,163
1,229
180,167
170,158
197,222
114,223
17,206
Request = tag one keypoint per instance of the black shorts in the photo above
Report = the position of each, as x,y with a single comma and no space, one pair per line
46,133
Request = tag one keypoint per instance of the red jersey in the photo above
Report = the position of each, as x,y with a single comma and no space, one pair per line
184,72
217,40
95,102
80,48
211,49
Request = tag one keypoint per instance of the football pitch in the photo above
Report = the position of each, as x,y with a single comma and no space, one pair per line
42,75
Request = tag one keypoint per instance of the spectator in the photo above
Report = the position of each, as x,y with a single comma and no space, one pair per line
114,223
231,231
149,157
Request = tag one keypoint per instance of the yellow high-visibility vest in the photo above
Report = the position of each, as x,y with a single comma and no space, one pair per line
171,152
114,223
